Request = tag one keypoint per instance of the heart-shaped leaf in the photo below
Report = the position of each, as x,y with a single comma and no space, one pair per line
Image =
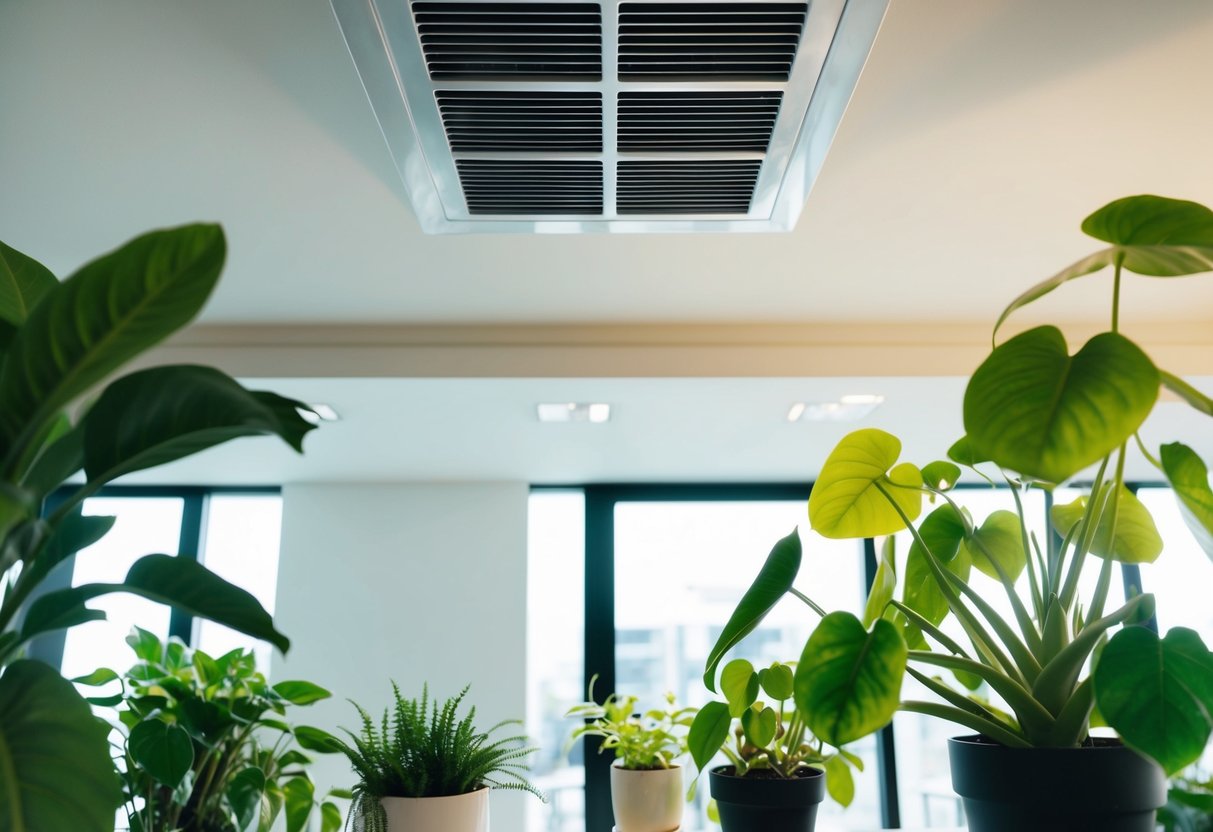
1189,477
57,773
848,681
1136,539
776,681
941,475
773,582
1000,537
164,751
739,684
759,726
708,732
884,584
1033,408
847,499
840,783
942,531
1158,693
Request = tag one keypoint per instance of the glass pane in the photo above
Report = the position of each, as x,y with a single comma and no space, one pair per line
1181,577
680,569
240,544
555,655
145,525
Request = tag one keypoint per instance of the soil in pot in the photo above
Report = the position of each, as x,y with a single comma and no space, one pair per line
646,800
764,802
1103,787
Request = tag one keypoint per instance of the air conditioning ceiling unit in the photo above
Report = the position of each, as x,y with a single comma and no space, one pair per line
618,115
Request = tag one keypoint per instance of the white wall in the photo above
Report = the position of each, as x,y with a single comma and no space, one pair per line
412,582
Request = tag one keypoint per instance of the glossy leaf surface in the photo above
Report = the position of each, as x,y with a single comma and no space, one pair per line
846,501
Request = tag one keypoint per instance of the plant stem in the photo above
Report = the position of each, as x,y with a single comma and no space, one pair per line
1120,259
1141,446
807,600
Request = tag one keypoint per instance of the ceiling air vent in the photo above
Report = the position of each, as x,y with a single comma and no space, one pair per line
622,116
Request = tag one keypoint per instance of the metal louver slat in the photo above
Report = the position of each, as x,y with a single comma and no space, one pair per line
523,186
691,187
688,40
510,39
518,121
697,121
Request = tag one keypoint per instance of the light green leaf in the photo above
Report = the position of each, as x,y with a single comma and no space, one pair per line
147,645
848,681
773,582
941,475
962,452
1188,476
1158,694
884,584
776,681
739,684
943,531
153,417
99,677
759,726
1136,540
244,792
301,693
846,501
300,795
840,783
1187,392
107,313
1033,409
1001,536
164,751
56,771
708,732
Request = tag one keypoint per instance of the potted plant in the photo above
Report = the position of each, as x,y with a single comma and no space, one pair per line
60,342
1035,417
646,784
205,746
422,769
778,772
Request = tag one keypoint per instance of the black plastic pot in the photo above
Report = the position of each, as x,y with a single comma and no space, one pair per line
753,804
1102,788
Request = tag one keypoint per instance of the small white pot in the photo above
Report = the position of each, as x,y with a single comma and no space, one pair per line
646,801
457,813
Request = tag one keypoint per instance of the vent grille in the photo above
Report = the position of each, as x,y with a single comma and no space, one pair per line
524,186
522,121
511,40
751,40
697,121
678,187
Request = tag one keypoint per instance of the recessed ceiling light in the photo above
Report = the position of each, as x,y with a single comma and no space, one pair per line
848,408
318,412
597,412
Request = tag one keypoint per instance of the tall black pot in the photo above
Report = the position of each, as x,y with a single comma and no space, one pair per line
753,804
1102,788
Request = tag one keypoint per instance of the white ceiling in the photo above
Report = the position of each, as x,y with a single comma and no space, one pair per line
980,134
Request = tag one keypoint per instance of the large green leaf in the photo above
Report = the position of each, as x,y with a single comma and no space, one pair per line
178,582
330,817
1000,537
156,416
103,316
1151,235
1032,408
23,283
846,501
848,681
55,768
1136,538
884,583
162,750
244,792
1158,693
300,794
943,531
708,733
773,582
1189,477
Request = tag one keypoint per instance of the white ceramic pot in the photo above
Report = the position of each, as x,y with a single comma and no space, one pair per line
458,813
647,801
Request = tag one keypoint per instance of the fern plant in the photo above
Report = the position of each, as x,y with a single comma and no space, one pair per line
421,749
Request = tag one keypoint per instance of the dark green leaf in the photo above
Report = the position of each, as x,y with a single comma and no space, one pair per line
839,781
1190,479
846,501
156,416
56,611
773,582
848,681
1148,220
56,772
316,739
739,684
1002,538
1033,409
301,693
300,794
1158,694
244,794
941,476
708,732
75,532
1136,539
107,313
23,283
164,751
